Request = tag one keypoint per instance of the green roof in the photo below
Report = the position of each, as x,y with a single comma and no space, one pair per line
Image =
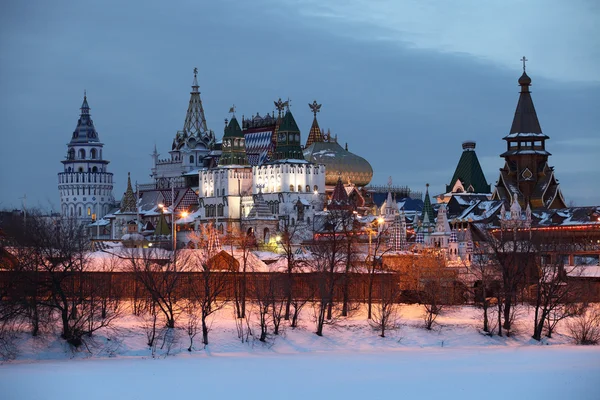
470,173
288,124
233,129
427,208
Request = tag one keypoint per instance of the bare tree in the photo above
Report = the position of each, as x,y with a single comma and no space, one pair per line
160,273
328,257
386,313
512,252
244,244
585,327
435,282
210,292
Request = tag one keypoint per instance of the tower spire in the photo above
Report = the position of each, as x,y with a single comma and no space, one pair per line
427,209
315,134
85,108
195,122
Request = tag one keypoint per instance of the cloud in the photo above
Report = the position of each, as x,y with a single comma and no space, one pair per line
561,39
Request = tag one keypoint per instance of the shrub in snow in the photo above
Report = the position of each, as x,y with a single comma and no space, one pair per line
585,328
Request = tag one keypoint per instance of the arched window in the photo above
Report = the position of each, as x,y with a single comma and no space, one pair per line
191,159
299,188
220,210
71,154
79,211
307,188
80,170
89,211
82,154
93,154
291,188
266,235
316,188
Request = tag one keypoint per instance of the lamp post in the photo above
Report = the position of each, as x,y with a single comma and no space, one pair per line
173,230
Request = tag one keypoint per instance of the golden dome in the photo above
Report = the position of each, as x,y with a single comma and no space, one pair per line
338,162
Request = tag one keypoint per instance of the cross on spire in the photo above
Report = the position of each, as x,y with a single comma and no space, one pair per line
524,60
288,104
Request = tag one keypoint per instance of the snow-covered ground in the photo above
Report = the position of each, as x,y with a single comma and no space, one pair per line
351,361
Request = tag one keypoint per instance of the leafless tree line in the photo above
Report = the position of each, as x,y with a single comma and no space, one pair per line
53,282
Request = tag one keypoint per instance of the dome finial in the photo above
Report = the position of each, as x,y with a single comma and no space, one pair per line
524,80
315,108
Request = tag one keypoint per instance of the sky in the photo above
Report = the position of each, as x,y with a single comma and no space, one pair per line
403,83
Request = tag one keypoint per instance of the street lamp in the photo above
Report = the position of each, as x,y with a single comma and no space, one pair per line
173,230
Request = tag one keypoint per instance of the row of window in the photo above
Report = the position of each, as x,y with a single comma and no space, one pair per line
211,211
84,179
82,191
94,154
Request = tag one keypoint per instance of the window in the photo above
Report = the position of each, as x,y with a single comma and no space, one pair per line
89,211
299,188
316,188
93,154
95,169
220,210
191,159
307,188
82,154
291,188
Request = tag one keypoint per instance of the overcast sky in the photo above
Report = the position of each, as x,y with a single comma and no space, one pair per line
404,83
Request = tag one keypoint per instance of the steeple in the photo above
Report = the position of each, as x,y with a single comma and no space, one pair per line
85,108
525,120
339,197
427,214
526,171
468,176
195,122
288,139
315,134
234,147
85,132
128,203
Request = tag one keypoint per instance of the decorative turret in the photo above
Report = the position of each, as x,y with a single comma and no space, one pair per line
195,139
288,139
468,176
195,122
129,203
85,186
526,169
234,144
339,197
442,225
315,134
427,214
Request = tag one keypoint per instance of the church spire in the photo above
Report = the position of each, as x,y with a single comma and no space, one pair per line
315,134
195,122
427,209
129,203
85,108
525,120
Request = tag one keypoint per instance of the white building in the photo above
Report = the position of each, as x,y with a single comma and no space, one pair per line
85,186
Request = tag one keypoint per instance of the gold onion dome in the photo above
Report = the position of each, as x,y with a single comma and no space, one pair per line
339,163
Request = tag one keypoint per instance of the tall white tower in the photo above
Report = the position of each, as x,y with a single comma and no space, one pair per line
85,186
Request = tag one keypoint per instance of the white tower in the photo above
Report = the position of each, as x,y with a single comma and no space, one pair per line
85,186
